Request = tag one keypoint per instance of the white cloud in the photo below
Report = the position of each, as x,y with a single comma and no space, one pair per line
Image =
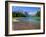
32,13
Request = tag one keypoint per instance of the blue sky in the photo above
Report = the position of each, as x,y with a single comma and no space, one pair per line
30,10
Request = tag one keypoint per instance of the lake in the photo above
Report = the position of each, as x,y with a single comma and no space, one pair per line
26,23
29,19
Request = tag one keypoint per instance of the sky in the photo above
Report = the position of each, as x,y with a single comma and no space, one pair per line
29,10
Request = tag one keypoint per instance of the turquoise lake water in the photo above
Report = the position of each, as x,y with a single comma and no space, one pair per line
29,19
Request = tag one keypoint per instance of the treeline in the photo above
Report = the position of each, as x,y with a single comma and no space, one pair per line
25,14
19,14
38,13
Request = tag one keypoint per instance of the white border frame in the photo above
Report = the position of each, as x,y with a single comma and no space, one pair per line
23,31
